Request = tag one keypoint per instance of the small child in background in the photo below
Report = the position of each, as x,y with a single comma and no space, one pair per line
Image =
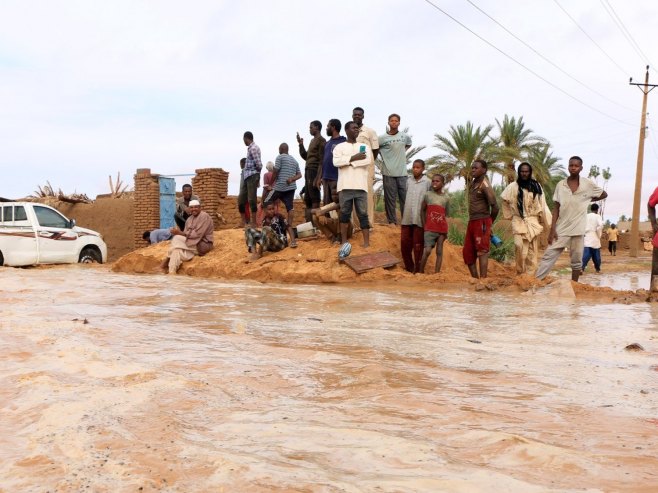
435,209
411,231
613,236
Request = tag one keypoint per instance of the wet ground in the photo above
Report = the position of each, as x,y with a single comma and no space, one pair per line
115,382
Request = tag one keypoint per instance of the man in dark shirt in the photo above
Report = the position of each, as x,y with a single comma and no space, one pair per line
482,212
183,206
328,173
313,158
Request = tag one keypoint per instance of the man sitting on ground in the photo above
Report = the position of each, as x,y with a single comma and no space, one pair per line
157,236
272,237
327,219
183,206
196,239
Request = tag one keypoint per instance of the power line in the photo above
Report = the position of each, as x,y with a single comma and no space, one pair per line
550,61
525,67
652,139
627,34
591,39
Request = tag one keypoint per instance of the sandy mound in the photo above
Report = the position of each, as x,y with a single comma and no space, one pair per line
314,261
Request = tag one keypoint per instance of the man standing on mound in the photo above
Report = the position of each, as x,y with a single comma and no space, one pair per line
572,196
482,212
195,239
352,160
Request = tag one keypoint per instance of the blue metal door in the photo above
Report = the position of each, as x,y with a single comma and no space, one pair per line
167,202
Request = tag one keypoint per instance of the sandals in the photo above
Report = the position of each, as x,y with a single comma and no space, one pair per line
293,244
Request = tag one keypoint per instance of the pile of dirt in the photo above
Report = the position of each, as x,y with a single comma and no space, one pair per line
314,261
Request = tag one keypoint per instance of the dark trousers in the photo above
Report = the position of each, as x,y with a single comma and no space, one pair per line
249,193
612,247
595,255
411,246
312,194
395,188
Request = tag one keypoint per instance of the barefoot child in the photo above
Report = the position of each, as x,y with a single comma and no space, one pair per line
411,232
272,237
435,209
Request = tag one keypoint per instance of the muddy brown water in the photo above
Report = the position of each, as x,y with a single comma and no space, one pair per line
181,384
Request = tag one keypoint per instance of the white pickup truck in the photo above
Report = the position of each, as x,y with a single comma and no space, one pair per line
32,233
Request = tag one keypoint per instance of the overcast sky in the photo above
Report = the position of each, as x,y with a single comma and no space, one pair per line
91,88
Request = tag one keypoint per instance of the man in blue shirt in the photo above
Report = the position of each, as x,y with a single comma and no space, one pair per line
328,173
157,235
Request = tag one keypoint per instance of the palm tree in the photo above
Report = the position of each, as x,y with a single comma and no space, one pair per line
546,169
606,177
515,142
459,149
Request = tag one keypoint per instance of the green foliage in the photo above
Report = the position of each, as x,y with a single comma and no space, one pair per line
514,143
462,145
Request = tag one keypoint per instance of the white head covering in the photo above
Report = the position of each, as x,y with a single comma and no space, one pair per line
269,166
194,202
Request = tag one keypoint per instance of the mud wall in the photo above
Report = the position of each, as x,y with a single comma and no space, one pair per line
211,186
111,217
146,213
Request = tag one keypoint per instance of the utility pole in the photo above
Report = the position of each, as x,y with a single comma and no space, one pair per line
646,88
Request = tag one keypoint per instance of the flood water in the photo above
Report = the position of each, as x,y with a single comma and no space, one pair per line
182,384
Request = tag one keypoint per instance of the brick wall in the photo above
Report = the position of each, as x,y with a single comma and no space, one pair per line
146,211
211,186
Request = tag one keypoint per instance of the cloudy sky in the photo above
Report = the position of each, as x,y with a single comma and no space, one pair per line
91,88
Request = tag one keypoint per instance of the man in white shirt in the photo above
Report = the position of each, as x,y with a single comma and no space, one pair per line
368,137
571,198
592,239
352,160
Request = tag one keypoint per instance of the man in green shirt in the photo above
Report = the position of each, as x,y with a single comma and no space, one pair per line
393,149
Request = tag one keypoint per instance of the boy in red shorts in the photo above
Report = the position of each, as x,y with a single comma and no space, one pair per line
435,209
482,212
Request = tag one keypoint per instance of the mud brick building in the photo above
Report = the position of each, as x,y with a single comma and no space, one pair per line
210,185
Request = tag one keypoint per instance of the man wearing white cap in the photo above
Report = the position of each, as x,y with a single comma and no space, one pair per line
195,239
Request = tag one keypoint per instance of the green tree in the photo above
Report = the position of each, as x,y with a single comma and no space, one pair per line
515,143
459,149
606,178
594,172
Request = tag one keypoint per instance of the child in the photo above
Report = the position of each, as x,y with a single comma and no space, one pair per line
411,234
435,209
272,237
613,235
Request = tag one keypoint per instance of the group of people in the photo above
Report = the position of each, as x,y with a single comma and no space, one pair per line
192,235
339,174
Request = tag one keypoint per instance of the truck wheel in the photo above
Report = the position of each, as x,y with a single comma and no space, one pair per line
89,255
2,259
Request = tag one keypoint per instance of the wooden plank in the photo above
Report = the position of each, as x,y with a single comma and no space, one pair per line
369,261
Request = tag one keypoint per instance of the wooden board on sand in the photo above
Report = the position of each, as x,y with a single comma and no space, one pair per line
368,261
